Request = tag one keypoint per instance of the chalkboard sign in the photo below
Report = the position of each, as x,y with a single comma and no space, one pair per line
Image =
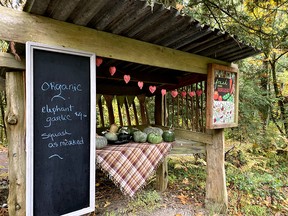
60,140
222,97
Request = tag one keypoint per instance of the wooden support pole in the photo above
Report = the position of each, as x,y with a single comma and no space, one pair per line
158,109
162,176
109,99
144,117
15,121
216,199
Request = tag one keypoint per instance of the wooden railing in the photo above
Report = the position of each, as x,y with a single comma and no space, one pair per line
187,109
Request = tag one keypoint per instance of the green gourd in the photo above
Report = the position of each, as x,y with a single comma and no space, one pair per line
168,136
154,138
101,142
111,136
150,129
139,136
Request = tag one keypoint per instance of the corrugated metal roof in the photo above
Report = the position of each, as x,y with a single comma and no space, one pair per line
138,20
158,25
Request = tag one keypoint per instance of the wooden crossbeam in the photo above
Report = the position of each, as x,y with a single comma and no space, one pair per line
21,27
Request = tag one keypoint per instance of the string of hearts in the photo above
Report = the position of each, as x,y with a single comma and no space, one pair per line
152,89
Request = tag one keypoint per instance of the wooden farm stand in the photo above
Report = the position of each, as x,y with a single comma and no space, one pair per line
156,65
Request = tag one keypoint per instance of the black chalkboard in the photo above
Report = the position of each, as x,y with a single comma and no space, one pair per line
61,132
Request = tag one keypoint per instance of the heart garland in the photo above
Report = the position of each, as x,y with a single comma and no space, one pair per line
140,84
192,93
183,93
112,70
126,78
99,61
152,89
174,93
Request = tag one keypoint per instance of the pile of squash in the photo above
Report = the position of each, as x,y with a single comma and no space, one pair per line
116,135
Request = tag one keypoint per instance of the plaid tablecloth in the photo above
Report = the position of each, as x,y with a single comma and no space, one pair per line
130,165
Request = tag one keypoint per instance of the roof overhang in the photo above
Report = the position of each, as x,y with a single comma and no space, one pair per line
156,45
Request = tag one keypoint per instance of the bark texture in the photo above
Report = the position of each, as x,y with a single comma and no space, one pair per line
15,122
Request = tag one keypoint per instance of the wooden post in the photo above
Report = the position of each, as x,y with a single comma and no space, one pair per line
109,99
216,199
158,109
162,171
162,176
15,121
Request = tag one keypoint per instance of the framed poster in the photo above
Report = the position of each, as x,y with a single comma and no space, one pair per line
222,97
61,130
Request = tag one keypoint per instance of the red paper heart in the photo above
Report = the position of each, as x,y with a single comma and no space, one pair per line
126,78
140,84
192,94
199,92
174,93
183,93
152,89
112,70
163,92
99,61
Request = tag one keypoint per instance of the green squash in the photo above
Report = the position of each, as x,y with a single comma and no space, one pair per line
154,138
139,136
168,136
101,142
150,129
111,136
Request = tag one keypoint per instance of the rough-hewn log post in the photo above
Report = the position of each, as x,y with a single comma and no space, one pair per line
216,199
162,176
162,171
15,121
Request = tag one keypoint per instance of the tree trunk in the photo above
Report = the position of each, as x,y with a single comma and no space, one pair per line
15,121
216,199
279,96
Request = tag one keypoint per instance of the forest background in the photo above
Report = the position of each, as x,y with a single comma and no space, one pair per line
257,161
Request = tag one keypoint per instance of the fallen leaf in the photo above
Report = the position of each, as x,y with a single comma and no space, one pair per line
107,203
183,198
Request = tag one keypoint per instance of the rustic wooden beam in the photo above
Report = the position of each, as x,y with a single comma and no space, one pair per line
15,121
191,135
19,26
8,60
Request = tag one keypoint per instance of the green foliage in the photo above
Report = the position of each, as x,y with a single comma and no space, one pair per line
4,46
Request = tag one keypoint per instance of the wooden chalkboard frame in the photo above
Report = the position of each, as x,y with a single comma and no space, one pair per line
30,48
215,118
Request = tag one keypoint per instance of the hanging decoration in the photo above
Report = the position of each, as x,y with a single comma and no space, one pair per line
112,70
152,89
183,93
99,61
199,92
192,93
174,93
126,78
140,84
